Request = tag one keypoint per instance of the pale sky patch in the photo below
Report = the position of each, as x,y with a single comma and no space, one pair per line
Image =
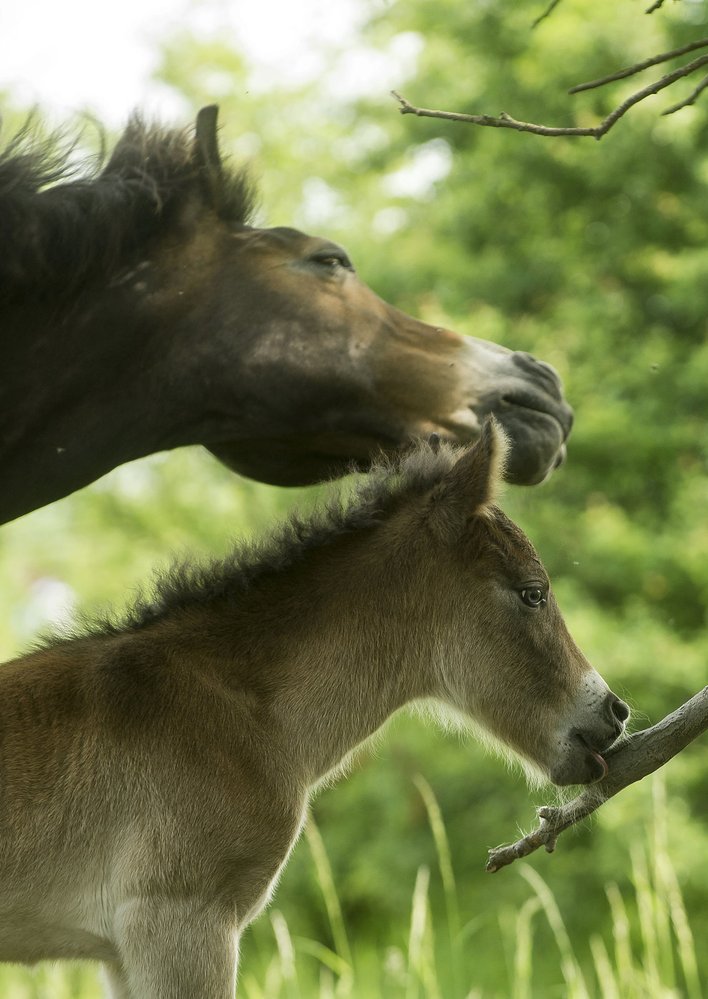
78,55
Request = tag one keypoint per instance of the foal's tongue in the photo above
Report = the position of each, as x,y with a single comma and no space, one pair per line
603,764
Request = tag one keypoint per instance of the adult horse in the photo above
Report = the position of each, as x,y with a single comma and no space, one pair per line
140,311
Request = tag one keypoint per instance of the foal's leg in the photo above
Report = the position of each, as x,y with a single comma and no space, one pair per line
176,950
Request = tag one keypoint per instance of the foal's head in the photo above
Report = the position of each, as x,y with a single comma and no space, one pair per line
505,655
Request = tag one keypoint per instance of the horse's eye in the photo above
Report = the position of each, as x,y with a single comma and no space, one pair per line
533,596
333,260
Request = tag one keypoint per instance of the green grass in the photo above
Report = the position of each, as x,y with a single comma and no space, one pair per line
645,949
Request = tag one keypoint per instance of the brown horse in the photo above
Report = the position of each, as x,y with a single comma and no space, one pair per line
140,311
155,774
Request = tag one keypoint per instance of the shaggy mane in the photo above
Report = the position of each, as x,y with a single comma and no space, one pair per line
60,226
187,584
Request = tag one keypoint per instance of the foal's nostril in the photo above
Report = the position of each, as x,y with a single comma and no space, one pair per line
619,709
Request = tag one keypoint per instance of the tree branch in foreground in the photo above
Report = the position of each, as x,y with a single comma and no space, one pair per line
506,121
639,755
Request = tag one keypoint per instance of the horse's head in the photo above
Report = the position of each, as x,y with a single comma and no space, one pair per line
187,325
508,660
310,371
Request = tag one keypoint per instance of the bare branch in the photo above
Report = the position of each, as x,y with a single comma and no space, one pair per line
654,6
638,67
503,121
547,12
639,755
506,121
691,99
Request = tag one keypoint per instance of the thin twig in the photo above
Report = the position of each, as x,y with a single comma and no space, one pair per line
654,6
639,755
638,67
691,99
503,121
549,10
506,121
649,91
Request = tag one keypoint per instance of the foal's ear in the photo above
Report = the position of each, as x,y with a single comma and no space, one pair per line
206,152
473,482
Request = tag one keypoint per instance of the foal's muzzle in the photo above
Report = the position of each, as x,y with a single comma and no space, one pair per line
584,762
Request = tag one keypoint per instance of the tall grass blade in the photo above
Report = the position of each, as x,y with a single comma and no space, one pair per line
523,953
326,984
421,947
669,890
326,957
273,979
444,856
646,909
607,980
331,900
685,942
662,871
572,975
286,952
419,913
624,963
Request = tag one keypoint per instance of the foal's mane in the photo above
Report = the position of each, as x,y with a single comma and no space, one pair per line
61,226
187,584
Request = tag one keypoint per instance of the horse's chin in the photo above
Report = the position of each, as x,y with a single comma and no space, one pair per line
273,470
537,446
291,464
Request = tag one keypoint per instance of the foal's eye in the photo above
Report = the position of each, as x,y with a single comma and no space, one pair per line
533,596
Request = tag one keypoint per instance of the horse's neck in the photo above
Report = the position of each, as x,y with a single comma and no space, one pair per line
78,400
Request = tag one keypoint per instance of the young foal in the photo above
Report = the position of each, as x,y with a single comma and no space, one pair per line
155,776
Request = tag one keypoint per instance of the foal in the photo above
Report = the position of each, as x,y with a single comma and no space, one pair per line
154,776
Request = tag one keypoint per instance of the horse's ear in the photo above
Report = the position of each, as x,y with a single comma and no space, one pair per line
206,152
473,482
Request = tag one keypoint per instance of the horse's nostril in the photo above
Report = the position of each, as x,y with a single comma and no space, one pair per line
620,710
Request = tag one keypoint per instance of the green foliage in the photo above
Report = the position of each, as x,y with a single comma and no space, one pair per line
593,256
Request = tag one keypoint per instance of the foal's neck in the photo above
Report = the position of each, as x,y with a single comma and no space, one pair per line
345,655
335,697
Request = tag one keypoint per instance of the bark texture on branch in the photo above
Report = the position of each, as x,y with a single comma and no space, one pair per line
505,120
631,760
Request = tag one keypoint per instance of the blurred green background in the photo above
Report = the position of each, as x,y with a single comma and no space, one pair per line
593,256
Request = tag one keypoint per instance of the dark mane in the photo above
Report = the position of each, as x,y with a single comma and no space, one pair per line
60,226
187,585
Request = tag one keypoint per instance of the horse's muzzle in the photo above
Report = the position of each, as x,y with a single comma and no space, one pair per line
531,406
